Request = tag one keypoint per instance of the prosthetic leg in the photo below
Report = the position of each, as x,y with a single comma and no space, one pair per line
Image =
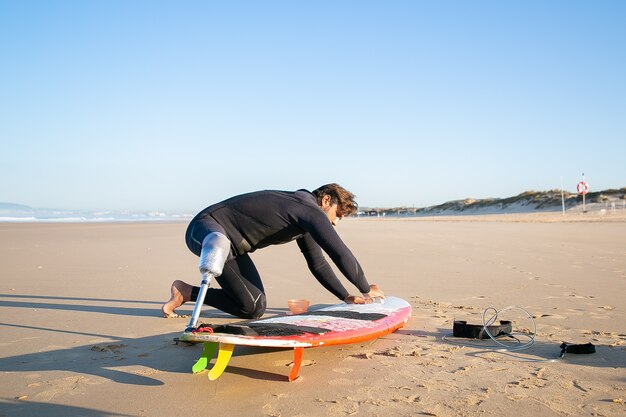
215,250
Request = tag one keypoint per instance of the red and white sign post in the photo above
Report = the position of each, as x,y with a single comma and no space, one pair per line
583,189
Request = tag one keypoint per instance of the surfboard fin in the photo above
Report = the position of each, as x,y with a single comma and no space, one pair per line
297,361
223,357
224,353
210,348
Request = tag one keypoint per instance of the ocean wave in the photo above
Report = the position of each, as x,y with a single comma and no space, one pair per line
95,218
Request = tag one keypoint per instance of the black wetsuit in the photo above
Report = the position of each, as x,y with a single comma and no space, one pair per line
259,219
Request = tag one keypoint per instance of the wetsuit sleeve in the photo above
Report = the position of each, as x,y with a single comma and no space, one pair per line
324,234
320,269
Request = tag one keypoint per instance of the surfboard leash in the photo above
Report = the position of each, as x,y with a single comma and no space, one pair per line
490,331
202,328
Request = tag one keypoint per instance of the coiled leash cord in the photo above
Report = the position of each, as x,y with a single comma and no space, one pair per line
464,330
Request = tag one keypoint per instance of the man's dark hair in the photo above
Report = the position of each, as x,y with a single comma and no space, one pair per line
340,196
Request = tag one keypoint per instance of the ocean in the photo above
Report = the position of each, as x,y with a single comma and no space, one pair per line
78,216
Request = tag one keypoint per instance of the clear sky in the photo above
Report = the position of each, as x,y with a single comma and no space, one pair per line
164,105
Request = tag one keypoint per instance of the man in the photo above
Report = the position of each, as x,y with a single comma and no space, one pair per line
223,234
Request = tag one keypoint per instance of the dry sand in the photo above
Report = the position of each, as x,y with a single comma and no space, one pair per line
82,334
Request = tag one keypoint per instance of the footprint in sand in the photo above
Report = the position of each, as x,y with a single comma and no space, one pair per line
552,316
463,370
598,316
270,411
548,284
62,386
344,382
364,355
108,348
569,294
575,312
474,399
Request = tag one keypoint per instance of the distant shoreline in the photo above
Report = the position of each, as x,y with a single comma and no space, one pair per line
591,216
543,217
605,203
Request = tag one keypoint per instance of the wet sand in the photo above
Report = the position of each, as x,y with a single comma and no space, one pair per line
83,333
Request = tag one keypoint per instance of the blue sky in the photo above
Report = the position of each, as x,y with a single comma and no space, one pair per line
165,105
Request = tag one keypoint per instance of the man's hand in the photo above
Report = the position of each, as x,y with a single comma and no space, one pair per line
368,298
375,292
357,299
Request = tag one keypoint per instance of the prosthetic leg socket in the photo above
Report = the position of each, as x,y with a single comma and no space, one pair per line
215,250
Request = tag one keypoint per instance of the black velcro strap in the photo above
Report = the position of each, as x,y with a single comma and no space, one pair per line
477,331
345,314
267,329
577,349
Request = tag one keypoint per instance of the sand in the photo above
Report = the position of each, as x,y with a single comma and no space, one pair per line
82,333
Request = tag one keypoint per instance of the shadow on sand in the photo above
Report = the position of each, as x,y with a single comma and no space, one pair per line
131,361
540,351
93,307
33,408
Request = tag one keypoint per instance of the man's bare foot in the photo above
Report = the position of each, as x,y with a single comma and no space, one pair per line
181,293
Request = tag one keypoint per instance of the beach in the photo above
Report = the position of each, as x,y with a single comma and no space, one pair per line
83,335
